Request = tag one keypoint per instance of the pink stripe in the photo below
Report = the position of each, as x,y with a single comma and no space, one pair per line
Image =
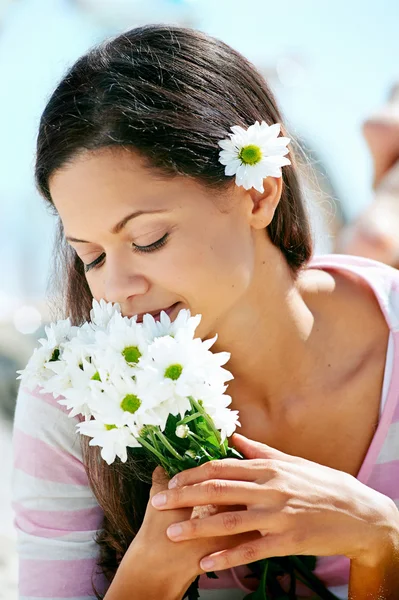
333,570
56,523
38,459
48,399
58,578
385,479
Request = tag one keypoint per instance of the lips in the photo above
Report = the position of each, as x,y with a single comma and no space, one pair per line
157,313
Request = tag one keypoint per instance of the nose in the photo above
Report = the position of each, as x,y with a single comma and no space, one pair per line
121,283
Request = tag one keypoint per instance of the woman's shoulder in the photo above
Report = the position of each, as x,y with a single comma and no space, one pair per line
381,278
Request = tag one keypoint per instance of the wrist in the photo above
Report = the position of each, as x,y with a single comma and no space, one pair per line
381,541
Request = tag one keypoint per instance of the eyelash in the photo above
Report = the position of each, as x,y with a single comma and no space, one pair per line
140,249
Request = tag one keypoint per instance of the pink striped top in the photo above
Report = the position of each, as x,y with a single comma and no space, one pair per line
57,515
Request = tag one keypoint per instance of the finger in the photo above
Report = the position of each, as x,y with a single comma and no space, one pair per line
215,491
227,468
160,481
252,449
226,523
265,547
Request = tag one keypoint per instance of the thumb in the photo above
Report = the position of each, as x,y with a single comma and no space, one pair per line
252,449
159,481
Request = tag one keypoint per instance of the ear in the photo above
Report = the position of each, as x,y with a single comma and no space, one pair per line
265,203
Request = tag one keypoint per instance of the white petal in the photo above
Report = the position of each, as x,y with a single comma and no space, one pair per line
232,167
274,129
238,130
226,145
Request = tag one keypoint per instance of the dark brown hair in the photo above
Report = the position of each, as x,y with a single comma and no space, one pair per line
170,93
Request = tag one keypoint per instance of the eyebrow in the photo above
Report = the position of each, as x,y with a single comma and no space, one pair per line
119,226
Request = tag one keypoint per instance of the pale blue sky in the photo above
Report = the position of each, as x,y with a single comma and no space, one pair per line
350,49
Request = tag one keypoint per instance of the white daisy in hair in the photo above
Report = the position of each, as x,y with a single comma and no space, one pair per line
254,153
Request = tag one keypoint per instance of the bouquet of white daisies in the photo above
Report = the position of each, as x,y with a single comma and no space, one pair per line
149,384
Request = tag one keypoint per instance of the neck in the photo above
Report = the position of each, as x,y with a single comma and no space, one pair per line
272,335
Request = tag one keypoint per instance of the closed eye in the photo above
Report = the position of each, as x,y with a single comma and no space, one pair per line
141,249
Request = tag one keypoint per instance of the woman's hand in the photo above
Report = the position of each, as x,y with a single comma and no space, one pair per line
298,506
154,559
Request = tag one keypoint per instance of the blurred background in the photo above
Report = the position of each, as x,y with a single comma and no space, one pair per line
333,67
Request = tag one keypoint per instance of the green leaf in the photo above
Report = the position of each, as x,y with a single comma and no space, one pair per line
260,593
211,575
309,561
233,453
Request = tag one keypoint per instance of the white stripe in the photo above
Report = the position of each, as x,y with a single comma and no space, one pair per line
390,447
393,307
39,494
41,420
341,591
75,546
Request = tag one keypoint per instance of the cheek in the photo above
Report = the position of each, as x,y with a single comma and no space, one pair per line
216,270
96,286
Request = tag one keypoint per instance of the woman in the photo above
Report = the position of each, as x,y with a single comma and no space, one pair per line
135,127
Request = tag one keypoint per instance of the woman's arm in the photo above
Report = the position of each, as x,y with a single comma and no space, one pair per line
376,577
56,514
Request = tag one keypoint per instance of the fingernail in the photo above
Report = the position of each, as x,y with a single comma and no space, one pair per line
159,500
207,563
173,483
174,530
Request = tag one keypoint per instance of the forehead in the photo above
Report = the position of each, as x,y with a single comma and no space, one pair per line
99,188
103,174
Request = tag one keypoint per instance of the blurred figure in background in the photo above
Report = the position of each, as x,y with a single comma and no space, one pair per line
375,233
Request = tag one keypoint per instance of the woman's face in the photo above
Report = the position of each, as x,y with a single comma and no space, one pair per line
194,255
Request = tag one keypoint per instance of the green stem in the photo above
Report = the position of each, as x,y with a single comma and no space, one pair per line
209,421
200,446
189,418
154,440
144,443
194,435
167,444
312,581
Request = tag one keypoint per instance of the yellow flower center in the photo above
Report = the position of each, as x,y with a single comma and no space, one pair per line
109,427
130,403
173,372
250,155
55,355
131,354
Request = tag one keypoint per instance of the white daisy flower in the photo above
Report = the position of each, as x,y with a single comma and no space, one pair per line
173,369
254,153
113,440
182,431
224,419
36,372
121,345
102,313
120,401
183,327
